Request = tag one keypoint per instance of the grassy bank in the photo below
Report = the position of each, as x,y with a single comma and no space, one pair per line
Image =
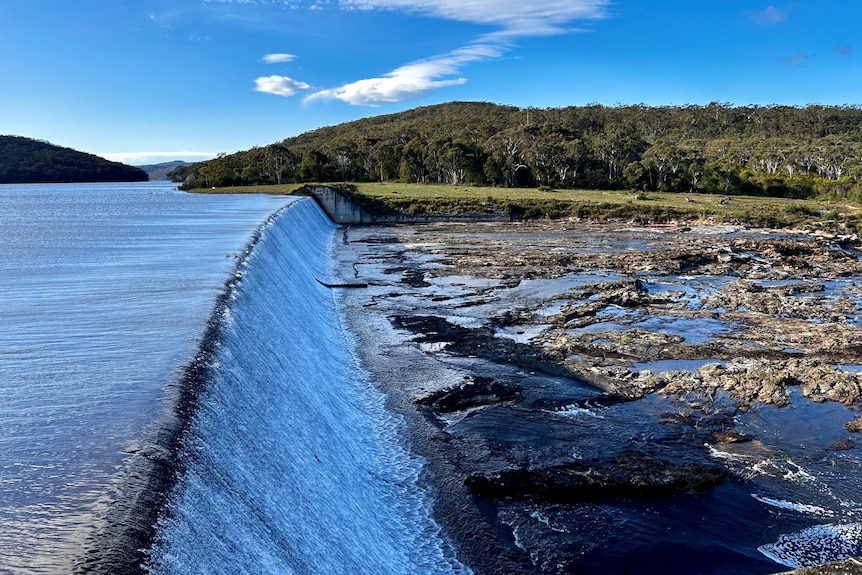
594,205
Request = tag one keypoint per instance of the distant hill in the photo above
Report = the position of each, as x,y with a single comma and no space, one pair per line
161,171
28,161
718,148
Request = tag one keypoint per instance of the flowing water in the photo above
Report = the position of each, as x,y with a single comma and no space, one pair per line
293,464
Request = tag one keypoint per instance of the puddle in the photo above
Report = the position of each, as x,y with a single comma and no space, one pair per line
693,330
521,334
689,365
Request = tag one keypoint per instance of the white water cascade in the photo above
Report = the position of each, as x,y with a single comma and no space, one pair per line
292,464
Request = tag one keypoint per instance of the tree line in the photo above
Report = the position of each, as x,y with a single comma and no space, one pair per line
24,160
718,148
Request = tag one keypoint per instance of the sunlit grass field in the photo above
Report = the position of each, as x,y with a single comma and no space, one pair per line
599,205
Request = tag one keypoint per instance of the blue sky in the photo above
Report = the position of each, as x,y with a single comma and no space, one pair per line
144,81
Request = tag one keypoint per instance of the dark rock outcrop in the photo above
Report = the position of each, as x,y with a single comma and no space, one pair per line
855,425
629,475
476,391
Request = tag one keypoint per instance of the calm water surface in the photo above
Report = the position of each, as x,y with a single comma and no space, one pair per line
106,290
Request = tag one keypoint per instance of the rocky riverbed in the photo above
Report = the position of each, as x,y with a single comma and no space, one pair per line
622,398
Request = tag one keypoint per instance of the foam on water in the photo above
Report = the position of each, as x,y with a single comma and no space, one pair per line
793,506
292,464
574,410
795,492
816,545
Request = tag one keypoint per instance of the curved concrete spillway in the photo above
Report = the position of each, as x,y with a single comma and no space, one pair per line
291,463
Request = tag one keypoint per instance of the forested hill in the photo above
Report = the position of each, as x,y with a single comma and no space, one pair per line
23,160
161,171
718,148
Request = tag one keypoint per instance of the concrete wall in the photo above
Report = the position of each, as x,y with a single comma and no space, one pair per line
343,211
339,209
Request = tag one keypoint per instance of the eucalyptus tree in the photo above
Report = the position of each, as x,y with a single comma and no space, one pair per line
282,160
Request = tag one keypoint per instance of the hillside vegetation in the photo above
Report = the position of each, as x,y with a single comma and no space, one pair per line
160,171
781,151
23,160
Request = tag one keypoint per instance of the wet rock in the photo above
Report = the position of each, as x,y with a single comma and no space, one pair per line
755,298
688,262
630,475
414,278
806,287
843,444
479,342
677,418
766,381
625,383
514,317
699,423
578,315
410,275
787,248
621,293
476,391
854,426
632,344
764,307
730,436
617,381
749,380
846,567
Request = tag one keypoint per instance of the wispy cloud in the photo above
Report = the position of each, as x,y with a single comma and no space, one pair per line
278,58
769,16
508,20
162,19
409,82
513,18
843,50
280,85
796,60
142,158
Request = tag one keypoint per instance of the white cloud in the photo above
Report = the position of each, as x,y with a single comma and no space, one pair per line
409,82
508,20
280,85
769,16
143,158
278,58
511,18
389,89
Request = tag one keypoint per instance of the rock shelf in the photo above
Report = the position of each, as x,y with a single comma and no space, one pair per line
507,333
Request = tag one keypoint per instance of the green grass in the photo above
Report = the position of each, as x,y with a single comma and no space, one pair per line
598,205
279,190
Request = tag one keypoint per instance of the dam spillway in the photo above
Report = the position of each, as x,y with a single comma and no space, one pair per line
291,462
